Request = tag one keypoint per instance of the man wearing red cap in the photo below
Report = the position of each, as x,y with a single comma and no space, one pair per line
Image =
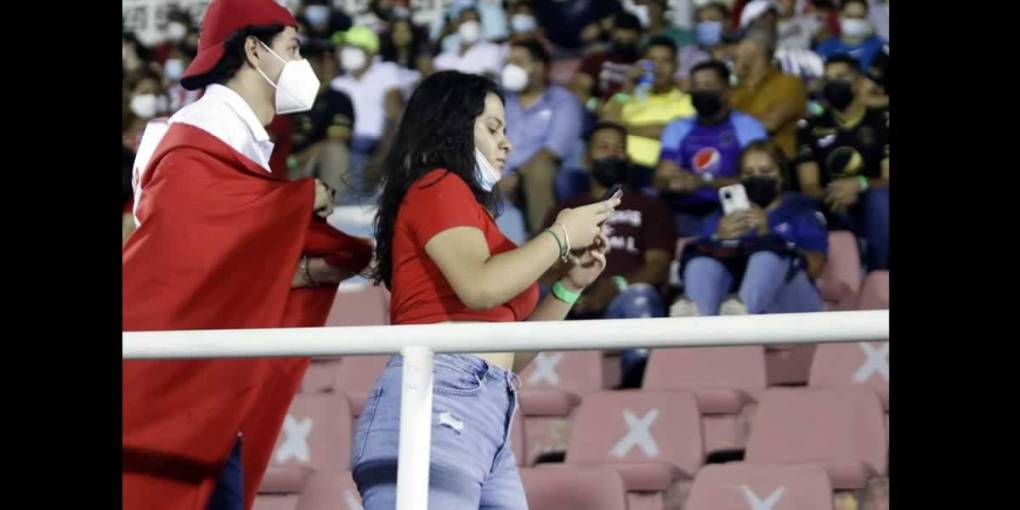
222,243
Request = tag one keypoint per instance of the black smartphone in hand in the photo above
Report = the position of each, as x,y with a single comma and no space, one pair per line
612,191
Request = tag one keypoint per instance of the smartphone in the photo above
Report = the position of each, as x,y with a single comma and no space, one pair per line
734,198
617,188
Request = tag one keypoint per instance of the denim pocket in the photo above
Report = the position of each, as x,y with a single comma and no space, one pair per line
365,424
455,381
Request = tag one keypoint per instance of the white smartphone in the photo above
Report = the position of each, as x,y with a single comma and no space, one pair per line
734,198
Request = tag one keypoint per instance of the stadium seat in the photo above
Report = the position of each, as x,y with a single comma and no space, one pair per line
853,364
875,292
725,381
840,429
840,281
743,486
558,487
653,438
316,436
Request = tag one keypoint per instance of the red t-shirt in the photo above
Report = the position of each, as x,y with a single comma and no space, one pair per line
438,201
608,71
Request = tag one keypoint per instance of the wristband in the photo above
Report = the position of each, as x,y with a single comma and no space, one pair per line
621,283
863,181
560,292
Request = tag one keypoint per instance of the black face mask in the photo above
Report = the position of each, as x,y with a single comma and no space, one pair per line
610,171
838,93
761,190
707,104
626,51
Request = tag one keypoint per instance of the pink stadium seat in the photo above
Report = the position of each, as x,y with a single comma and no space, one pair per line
369,306
875,292
841,278
853,364
840,429
788,364
551,387
276,502
653,438
743,486
726,382
316,436
330,490
320,376
557,487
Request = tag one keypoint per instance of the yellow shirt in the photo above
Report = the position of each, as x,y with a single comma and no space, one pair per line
656,109
776,88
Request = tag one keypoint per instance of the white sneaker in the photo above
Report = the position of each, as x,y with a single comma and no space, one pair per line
732,306
683,307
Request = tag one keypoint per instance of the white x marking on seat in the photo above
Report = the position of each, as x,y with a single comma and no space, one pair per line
877,361
545,369
638,433
759,504
295,440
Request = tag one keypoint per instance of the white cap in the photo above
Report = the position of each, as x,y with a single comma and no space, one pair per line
754,9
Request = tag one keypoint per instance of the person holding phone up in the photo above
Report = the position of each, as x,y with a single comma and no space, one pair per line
768,249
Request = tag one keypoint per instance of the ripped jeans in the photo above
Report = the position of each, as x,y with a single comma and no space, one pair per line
471,464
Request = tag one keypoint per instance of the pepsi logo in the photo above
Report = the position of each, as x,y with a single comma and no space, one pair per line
707,160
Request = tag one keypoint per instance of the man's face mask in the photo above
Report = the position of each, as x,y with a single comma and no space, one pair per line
839,93
611,171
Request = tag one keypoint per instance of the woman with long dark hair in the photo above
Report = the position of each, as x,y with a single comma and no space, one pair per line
444,259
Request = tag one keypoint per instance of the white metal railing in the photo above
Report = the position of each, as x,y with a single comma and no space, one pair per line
418,343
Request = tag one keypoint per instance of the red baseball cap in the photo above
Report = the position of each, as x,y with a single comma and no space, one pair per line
222,19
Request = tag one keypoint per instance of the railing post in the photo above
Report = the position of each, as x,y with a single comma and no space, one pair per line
415,429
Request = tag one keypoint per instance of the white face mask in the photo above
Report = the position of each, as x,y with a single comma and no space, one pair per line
297,87
855,28
487,175
469,32
147,106
352,59
173,69
515,78
317,16
523,23
176,31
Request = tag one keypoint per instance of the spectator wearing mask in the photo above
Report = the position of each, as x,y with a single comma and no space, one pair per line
523,20
652,14
604,73
321,20
148,98
766,15
640,236
179,25
776,99
711,22
857,35
471,53
576,24
843,159
645,109
769,255
701,154
376,88
543,124
797,30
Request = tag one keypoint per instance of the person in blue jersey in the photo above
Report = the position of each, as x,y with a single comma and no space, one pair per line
857,36
769,255
700,154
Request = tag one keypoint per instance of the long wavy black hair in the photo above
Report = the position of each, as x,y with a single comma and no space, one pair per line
436,131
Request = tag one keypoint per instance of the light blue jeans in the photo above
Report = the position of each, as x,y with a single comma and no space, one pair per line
764,288
472,465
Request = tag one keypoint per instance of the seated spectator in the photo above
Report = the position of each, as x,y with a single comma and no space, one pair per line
321,20
377,89
712,21
148,98
566,23
639,233
797,30
523,20
769,255
321,141
402,43
646,109
857,36
701,154
543,122
776,99
658,24
843,159
604,73
471,53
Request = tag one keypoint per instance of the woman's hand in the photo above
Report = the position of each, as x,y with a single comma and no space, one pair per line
733,225
323,206
588,265
584,224
315,272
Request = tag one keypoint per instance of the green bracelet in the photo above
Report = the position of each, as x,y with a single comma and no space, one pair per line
863,183
560,292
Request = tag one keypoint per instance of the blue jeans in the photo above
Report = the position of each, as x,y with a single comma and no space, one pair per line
764,288
638,300
472,465
229,491
869,220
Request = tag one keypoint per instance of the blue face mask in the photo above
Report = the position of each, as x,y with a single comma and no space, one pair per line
709,33
487,175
